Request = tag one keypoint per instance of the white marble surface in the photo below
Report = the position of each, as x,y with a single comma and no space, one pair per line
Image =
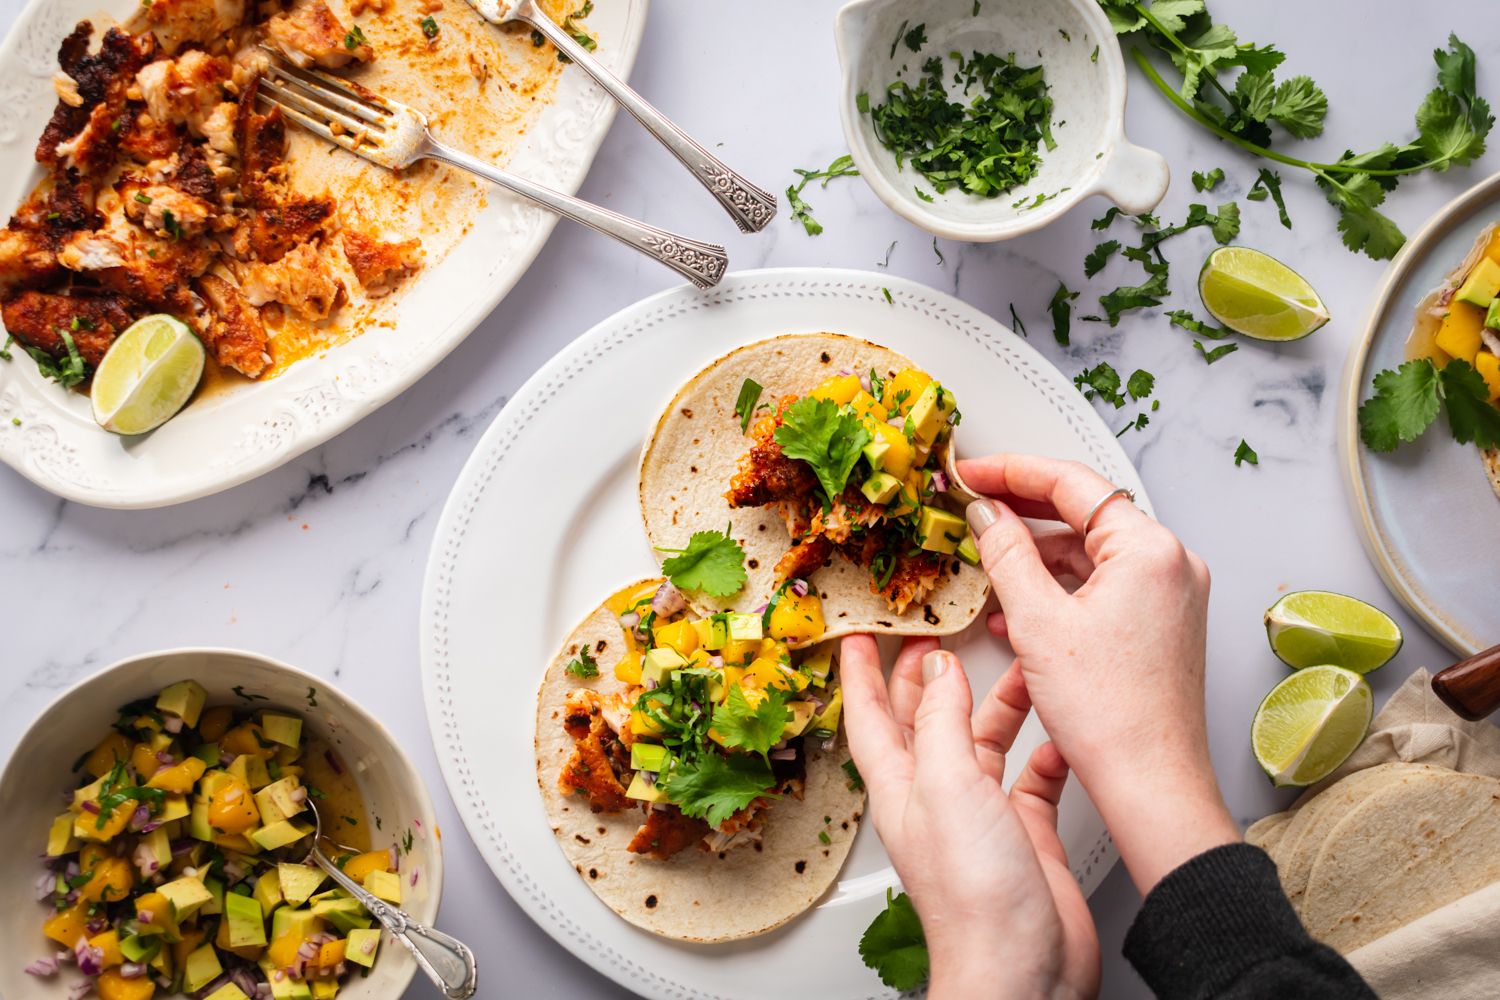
320,562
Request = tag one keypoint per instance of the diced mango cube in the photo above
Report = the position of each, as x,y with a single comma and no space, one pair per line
1458,334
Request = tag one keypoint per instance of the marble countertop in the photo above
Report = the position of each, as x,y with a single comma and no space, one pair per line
320,562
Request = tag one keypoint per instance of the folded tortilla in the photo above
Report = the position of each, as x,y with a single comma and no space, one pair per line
695,449
694,895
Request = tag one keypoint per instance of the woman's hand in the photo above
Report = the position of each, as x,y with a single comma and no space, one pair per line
984,869
1115,670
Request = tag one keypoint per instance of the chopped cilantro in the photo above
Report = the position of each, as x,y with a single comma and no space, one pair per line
1207,181
852,770
713,563
1098,257
583,665
1245,453
429,26
66,371
240,692
355,38
1062,313
915,38
843,166
750,390
1268,182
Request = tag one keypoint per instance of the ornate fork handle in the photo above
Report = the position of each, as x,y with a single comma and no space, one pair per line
701,263
445,959
751,207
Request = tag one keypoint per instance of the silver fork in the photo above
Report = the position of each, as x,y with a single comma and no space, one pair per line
751,207
394,135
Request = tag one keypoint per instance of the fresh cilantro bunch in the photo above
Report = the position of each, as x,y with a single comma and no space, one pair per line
895,946
1407,401
712,564
826,437
1230,88
987,146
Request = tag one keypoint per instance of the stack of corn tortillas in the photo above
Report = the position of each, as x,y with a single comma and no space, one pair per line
1400,846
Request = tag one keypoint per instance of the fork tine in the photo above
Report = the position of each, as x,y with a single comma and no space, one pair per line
313,108
313,125
348,95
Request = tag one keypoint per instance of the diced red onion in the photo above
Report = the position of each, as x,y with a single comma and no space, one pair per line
46,885
649,684
90,806
761,610
299,794
145,859
225,759
333,762
780,746
233,872
139,818
421,831
864,382
830,743
71,868
133,970
648,778
308,950
816,702
150,827
80,990
898,422
183,846
71,897
789,753
172,723
716,661
368,947
413,876
630,619
940,480
162,757
42,967
96,925
845,371
145,916
667,600
395,857
786,670
799,587
90,959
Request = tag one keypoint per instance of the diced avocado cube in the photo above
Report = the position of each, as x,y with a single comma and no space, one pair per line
268,892
247,926
298,882
827,722
323,989
275,835
879,488
385,885
362,945
184,699
278,800
187,895
301,924
216,890
875,453
201,968
88,792
639,790
1492,316
968,550
211,782
161,962
283,729
285,987
802,713
940,531
60,839
649,756
744,627
198,825
713,632
660,662
344,914
158,843
139,949
209,753
228,991
173,807
819,663
1482,284
251,770
929,414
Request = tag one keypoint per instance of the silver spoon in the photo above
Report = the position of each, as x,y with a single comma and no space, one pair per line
751,207
447,961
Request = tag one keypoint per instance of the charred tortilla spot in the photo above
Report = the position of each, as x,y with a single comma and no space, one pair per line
582,839
883,624
824,357
801,867
593,873
929,616
600,645
692,468
845,824
687,413
753,563
651,902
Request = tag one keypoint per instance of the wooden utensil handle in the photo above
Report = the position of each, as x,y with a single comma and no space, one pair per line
1471,687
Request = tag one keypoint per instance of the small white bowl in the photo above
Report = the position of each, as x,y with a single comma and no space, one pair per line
1088,114
41,770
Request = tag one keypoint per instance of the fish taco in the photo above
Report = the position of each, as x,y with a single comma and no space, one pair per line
691,768
822,456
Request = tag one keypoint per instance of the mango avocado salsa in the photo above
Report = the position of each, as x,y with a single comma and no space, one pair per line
178,865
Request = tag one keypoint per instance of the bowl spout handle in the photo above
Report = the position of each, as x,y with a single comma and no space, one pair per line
1135,178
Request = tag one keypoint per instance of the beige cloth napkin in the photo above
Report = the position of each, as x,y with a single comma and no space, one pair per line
1451,952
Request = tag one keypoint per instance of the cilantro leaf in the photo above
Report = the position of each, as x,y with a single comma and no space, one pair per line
1446,134
1151,292
713,564
750,390
1210,356
916,38
1268,182
1404,405
583,665
1104,221
1456,68
1101,380
67,371
1191,323
1098,257
826,438
895,946
1466,398
715,786
1062,313
1140,384
1245,453
1299,106
1208,181
843,166
756,729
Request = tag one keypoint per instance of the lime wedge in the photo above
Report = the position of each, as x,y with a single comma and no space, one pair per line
1310,723
1310,627
1258,295
147,375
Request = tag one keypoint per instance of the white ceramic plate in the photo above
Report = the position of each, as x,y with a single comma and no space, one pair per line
543,523
236,435
1429,519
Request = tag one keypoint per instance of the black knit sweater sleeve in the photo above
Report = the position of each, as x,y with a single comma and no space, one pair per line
1221,927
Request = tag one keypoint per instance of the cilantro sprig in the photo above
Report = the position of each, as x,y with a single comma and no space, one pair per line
801,210
895,946
754,729
712,563
1408,399
1452,121
583,665
826,437
716,786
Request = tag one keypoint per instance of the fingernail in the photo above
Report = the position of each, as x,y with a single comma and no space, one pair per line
934,665
982,514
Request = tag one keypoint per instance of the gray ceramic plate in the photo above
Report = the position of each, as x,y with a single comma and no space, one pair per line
1430,521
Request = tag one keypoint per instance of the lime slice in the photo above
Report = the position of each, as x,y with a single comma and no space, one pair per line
1258,295
1311,627
1310,723
147,375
